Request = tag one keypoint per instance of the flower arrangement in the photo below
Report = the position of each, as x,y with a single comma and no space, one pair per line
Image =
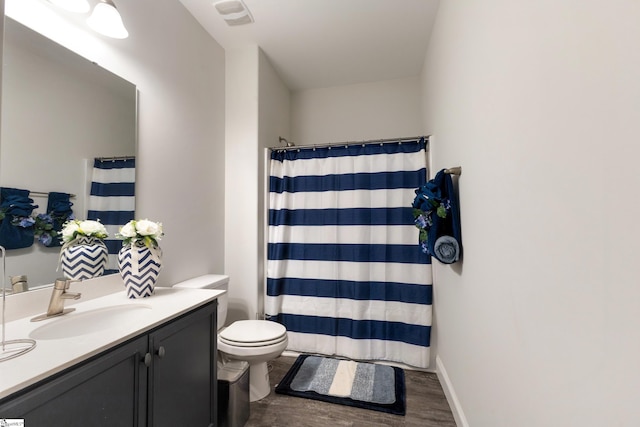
141,232
22,221
17,221
83,228
425,205
48,227
43,229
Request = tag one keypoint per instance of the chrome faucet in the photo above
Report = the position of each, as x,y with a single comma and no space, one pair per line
19,284
56,303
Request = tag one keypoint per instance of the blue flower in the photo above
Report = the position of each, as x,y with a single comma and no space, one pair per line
45,239
421,221
26,222
45,217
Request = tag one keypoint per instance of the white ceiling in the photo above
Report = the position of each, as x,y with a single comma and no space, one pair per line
325,43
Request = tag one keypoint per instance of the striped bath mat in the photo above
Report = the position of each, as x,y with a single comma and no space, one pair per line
363,385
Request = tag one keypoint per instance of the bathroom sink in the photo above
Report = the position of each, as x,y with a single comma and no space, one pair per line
80,323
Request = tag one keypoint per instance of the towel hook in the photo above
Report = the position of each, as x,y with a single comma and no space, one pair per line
454,171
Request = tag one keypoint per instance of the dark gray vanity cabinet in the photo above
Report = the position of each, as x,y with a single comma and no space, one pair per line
165,377
182,381
109,390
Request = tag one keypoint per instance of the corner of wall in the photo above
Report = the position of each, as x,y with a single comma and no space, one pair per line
450,394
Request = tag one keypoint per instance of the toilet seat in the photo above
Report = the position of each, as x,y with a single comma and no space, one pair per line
253,333
251,344
256,342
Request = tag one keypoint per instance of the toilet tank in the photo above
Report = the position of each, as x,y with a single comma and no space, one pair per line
211,281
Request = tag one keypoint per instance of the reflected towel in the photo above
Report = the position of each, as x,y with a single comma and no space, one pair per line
59,208
16,229
446,250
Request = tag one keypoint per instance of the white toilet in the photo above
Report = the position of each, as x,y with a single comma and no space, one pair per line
253,341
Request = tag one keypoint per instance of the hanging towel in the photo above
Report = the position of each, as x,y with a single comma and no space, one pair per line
58,212
16,226
446,249
438,218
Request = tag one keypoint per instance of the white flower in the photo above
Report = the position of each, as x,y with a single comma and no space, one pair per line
149,228
141,232
128,230
74,228
92,228
69,231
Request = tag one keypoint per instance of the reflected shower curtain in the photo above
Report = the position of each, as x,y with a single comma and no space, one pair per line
345,274
112,200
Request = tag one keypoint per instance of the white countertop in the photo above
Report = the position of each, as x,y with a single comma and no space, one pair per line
54,355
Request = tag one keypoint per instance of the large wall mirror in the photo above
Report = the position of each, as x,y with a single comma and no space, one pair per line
59,112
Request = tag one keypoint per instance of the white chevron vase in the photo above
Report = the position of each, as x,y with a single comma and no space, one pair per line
85,259
139,267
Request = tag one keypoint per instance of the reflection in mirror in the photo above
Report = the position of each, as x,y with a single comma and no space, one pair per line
59,113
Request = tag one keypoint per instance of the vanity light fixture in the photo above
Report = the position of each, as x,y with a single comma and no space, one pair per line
77,6
234,12
107,21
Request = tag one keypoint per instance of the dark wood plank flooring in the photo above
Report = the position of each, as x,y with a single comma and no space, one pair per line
426,406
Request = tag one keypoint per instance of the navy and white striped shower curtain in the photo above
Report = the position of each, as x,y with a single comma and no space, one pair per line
345,273
112,200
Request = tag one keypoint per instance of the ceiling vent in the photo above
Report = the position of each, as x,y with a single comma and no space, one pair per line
234,12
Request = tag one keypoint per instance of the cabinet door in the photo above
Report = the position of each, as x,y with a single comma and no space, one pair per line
107,391
182,383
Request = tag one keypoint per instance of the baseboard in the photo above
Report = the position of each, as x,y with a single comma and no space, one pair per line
450,394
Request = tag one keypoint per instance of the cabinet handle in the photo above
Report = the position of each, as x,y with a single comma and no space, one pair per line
161,352
147,359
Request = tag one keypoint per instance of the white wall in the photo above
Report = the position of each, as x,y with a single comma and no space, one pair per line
385,109
240,203
274,108
179,71
538,102
257,104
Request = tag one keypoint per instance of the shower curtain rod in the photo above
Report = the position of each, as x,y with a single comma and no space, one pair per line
457,170
107,159
347,143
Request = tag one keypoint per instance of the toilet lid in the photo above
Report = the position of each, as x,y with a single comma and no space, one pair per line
250,333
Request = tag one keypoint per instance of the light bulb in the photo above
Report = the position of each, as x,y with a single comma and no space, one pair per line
106,20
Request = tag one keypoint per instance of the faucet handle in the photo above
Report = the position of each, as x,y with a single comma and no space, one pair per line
62,283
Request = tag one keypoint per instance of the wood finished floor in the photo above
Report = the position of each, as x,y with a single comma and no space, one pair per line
426,406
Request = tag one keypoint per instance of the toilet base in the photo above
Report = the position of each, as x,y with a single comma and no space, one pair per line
259,386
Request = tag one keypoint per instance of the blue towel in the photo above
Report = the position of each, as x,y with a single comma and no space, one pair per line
446,250
16,227
59,212
437,200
